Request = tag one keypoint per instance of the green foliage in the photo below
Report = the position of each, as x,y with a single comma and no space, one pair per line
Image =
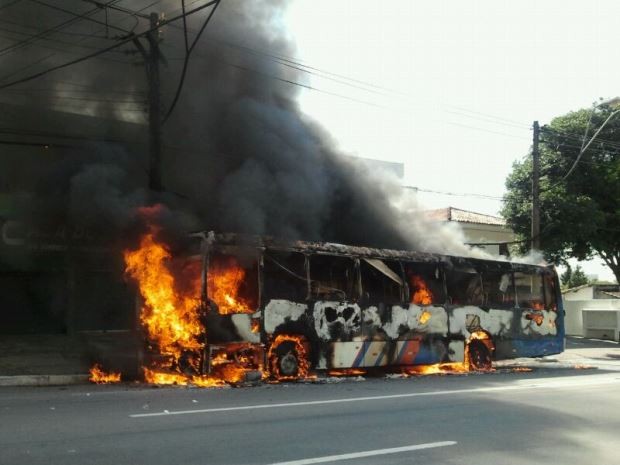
572,278
580,215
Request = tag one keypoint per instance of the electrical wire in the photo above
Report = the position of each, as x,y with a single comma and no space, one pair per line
103,50
187,55
44,33
457,194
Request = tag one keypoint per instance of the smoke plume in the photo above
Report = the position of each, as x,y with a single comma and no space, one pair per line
239,155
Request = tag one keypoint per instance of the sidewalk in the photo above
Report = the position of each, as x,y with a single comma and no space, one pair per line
50,360
42,360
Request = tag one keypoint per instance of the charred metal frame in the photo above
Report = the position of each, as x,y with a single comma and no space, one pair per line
507,344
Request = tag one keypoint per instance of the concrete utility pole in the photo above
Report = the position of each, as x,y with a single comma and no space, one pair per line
535,190
152,66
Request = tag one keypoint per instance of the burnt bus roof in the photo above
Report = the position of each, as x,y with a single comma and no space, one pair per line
330,248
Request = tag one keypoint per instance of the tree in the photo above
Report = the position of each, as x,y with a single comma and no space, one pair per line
580,215
570,278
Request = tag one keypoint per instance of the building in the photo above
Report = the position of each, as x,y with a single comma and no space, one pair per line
593,310
487,232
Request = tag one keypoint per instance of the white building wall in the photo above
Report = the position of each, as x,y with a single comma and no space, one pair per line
574,313
586,293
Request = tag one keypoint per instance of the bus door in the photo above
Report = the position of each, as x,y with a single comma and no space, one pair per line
383,293
334,293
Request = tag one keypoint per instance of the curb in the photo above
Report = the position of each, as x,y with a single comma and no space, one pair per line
43,380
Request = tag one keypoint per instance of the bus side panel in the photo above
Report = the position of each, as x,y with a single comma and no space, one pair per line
537,347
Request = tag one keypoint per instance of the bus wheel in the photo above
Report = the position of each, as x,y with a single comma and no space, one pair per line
287,358
478,356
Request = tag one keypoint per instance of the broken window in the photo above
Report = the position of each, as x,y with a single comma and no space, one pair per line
381,281
284,276
333,278
232,282
464,286
530,292
551,298
425,282
498,289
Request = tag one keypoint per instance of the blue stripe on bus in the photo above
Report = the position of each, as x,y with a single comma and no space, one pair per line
360,355
380,357
402,351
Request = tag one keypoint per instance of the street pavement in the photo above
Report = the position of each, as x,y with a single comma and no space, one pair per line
562,411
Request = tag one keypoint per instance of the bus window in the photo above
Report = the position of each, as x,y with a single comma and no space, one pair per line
529,289
381,281
284,276
333,278
425,283
464,287
550,292
498,289
232,283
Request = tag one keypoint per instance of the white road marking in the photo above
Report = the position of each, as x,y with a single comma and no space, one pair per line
368,453
573,381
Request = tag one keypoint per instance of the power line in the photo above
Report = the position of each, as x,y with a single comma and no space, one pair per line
457,194
42,34
103,50
84,18
188,52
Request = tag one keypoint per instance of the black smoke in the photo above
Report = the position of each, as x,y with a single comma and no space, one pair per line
238,155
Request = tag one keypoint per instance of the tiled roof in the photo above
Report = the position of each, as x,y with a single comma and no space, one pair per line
463,216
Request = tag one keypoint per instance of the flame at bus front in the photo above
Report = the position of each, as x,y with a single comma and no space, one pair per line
170,318
171,313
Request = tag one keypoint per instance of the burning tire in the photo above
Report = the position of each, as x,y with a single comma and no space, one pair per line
478,356
287,358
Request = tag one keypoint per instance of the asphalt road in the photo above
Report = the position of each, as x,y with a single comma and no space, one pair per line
553,415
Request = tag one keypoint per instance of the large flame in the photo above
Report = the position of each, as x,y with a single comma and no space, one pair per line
171,314
171,320
421,294
225,279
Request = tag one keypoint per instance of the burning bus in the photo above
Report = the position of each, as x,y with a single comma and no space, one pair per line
243,306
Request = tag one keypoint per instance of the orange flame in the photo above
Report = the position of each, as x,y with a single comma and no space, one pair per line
97,375
171,315
424,317
162,377
300,352
346,372
224,281
170,319
436,369
422,294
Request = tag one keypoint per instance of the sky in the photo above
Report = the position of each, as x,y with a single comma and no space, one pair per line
451,88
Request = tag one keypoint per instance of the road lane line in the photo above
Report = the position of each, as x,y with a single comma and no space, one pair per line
573,381
368,453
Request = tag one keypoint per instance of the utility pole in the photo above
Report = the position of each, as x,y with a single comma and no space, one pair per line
535,189
152,67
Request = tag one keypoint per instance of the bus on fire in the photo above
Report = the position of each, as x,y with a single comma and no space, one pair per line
287,309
